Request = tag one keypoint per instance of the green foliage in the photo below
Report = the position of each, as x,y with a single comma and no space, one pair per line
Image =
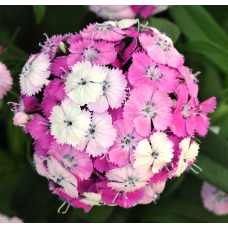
39,11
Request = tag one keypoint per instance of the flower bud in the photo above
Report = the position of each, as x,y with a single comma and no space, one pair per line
21,119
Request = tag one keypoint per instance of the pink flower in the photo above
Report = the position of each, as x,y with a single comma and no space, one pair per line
113,197
100,135
145,104
6,219
51,45
127,179
114,94
152,193
98,53
76,162
34,74
59,67
121,153
112,12
39,128
102,164
191,80
201,122
146,11
214,199
105,31
116,114
184,114
161,50
6,80
26,104
144,71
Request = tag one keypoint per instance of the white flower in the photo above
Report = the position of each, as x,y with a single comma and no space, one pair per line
158,154
34,74
62,177
69,123
83,85
114,92
189,152
21,119
127,178
92,199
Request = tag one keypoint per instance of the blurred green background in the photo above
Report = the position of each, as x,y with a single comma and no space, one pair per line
199,32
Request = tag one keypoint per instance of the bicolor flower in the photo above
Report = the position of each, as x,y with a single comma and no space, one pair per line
69,123
62,177
100,135
34,74
97,53
6,80
121,153
147,104
92,199
114,93
127,178
121,198
76,162
152,193
157,155
145,71
214,199
83,85
189,152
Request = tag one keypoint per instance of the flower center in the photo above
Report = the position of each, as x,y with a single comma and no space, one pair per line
91,131
130,181
186,111
104,27
105,86
68,161
69,123
150,110
90,53
154,73
128,142
163,44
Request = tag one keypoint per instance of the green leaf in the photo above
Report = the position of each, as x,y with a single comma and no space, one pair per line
164,24
220,114
39,11
212,51
224,129
197,24
96,214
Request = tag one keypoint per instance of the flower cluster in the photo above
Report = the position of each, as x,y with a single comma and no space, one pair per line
214,199
113,114
112,12
6,80
6,219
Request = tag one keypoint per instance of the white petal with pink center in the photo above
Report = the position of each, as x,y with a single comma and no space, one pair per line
127,178
62,177
157,155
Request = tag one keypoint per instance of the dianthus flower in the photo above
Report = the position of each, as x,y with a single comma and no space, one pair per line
112,12
214,199
113,113
6,219
6,80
